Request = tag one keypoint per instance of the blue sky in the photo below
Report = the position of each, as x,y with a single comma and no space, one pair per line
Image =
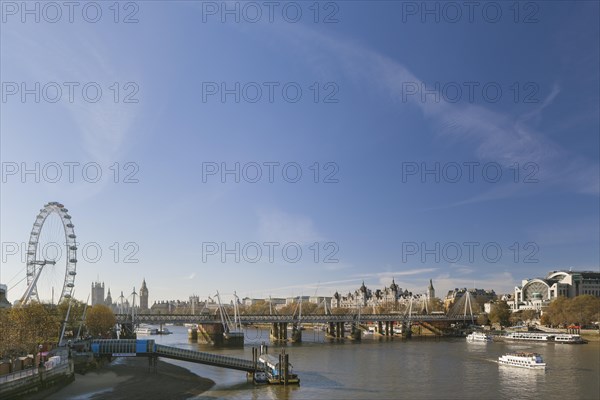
398,93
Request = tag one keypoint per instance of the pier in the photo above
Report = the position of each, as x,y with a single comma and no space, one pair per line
259,370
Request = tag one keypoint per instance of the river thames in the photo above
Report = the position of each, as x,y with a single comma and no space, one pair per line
380,368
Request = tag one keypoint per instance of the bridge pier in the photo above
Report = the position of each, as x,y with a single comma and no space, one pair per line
210,333
193,334
355,332
335,330
296,333
331,330
279,332
380,327
406,329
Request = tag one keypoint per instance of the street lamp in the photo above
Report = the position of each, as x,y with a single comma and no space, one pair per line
40,347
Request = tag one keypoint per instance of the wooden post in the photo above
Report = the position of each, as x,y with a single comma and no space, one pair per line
286,359
279,367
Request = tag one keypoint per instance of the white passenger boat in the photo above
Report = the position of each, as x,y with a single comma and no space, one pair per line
146,330
523,360
569,339
478,337
529,336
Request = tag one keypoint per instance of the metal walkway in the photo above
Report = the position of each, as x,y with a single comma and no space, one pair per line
147,348
215,360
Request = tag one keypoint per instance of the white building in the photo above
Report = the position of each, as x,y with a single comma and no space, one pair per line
533,294
392,296
4,303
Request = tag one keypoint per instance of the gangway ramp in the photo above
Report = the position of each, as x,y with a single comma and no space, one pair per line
215,360
148,348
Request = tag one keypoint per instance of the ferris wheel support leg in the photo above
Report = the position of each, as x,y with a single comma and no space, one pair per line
27,294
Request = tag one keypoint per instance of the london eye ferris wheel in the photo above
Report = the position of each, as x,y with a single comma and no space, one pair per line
51,255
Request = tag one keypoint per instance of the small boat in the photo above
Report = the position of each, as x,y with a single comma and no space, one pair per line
276,374
164,331
369,331
478,337
569,339
522,360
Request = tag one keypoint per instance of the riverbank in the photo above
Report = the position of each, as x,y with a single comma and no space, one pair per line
590,335
132,378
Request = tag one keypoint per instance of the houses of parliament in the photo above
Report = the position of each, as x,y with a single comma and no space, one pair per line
123,303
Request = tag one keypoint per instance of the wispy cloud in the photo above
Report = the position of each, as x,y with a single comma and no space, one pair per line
391,274
309,288
282,227
501,282
556,233
191,276
102,130
493,135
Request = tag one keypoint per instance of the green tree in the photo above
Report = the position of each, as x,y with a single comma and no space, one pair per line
100,320
500,313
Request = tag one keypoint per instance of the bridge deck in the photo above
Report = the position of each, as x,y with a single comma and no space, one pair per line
310,319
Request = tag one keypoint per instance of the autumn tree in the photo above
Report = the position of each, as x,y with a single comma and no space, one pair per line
581,309
483,319
436,304
260,307
500,313
75,315
28,326
100,320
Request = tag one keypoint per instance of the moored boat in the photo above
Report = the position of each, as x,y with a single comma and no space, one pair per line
569,339
529,336
276,373
478,337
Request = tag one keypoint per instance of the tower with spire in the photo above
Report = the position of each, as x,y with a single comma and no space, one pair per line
144,296
108,300
430,291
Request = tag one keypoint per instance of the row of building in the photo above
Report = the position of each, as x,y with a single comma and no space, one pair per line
532,294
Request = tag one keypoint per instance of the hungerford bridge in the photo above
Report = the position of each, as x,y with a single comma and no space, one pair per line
304,319
213,328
